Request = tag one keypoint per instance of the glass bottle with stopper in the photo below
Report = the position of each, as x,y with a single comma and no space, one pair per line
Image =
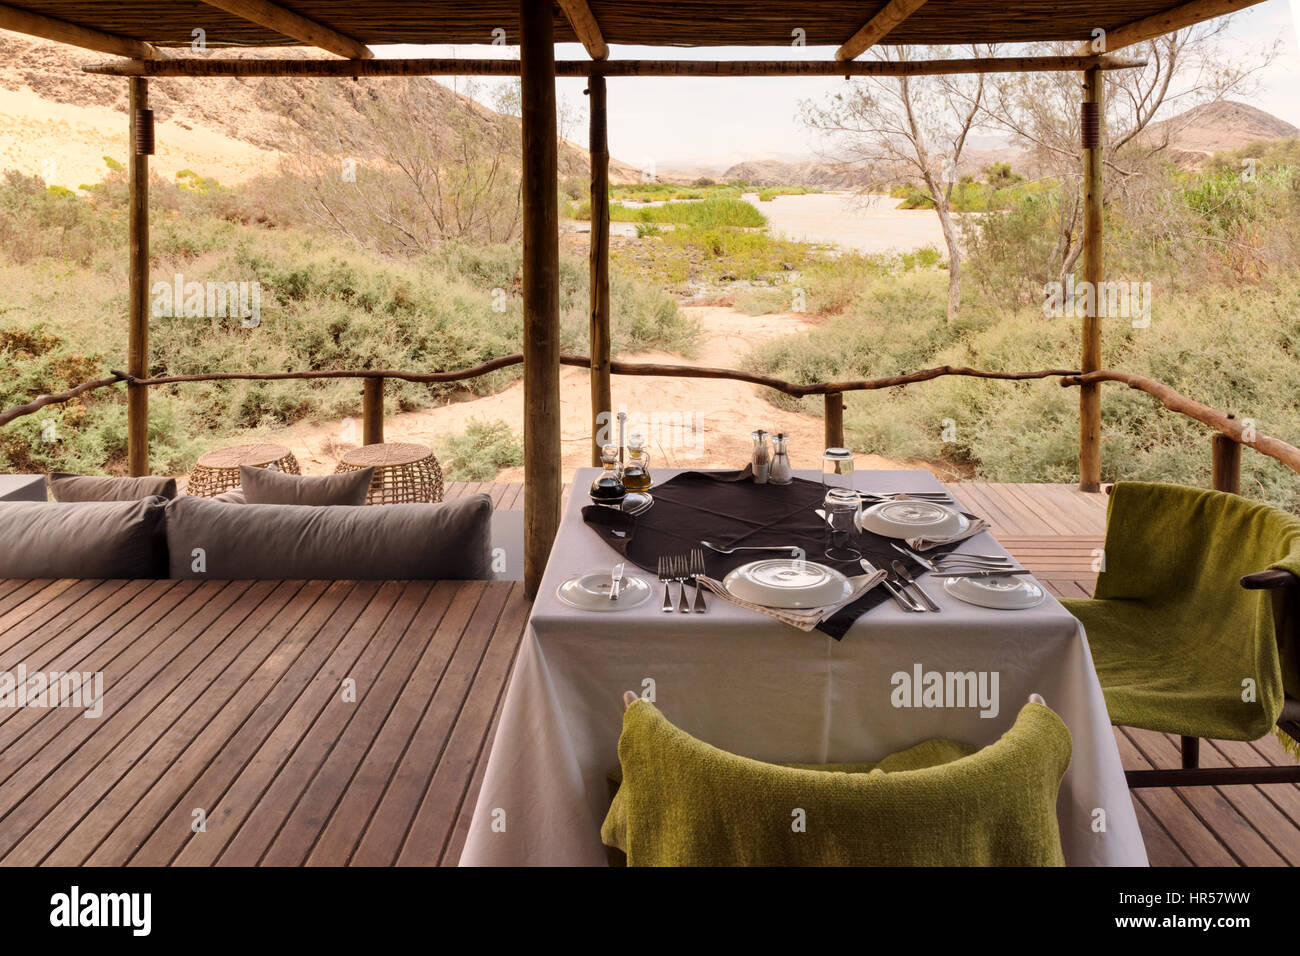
608,488
780,472
762,459
636,469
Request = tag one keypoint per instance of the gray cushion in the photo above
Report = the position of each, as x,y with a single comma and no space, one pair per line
66,487
212,540
101,539
262,486
234,496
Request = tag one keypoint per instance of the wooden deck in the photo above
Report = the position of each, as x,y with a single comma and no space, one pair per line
348,723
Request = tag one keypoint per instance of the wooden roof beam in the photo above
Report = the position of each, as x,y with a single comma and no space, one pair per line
1176,18
213,66
879,26
277,18
37,25
584,24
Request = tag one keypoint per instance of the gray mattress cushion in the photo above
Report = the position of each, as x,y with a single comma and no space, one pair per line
213,540
66,487
100,539
262,486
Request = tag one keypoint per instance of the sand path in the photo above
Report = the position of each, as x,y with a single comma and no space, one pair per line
693,423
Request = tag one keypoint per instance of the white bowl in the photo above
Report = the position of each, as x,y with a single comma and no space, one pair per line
911,518
788,583
1002,592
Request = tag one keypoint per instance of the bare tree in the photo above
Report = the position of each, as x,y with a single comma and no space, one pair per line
1040,111
905,128
401,165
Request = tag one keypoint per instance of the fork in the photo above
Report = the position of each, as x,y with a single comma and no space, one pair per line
697,570
665,576
682,571
934,562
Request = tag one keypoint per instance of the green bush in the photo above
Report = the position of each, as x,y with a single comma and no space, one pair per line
482,450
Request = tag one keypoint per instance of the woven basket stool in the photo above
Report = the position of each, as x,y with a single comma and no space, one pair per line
404,472
218,471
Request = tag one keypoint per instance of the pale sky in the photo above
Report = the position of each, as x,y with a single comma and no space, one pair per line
684,121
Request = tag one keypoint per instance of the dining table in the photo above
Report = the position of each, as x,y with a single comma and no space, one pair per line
756,686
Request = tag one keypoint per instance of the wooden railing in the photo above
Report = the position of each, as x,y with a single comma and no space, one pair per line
1231,432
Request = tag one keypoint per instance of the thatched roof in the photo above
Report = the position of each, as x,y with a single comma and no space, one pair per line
645,22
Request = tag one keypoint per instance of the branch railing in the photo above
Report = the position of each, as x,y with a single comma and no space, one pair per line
1231,432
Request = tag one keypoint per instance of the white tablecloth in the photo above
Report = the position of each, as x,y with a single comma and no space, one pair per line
754,686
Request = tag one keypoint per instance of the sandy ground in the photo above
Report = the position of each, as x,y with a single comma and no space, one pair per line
865,224
693,423
65,144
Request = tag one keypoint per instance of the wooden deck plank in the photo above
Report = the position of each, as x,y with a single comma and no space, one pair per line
1242,840
62,799
161,823
382,839
435,819
24,637
248,762
381,645
96,651
42,750
1189,831
339,835
332,770
239,709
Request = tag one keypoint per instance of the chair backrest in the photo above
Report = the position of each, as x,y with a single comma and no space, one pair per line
683,802
1185,550
1166,541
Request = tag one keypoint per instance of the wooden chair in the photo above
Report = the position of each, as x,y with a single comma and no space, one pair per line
1200,541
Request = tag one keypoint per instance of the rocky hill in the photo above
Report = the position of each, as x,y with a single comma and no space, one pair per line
60,123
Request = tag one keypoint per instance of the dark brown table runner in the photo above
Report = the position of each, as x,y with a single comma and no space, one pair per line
729,509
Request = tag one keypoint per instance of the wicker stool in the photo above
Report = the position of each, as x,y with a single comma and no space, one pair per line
404,472
218,471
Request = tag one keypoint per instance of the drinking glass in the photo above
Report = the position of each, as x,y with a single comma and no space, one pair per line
841,507
837,468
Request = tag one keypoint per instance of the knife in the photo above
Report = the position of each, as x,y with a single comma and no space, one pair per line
615,581
901,597
901,570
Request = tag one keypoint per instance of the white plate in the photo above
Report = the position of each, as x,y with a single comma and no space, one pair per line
589,591
788,583
1003,592
912,518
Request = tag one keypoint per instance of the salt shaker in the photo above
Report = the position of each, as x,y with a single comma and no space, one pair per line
780,472
762,457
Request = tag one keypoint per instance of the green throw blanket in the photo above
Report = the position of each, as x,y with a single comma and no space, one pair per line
1179,645
685,803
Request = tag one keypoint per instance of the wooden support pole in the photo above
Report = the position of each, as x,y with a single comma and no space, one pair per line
1090,358
541,290
372,411
1225,469
601,393
137,349
834,419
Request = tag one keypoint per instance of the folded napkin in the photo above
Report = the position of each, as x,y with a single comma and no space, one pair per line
975,524
806,619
